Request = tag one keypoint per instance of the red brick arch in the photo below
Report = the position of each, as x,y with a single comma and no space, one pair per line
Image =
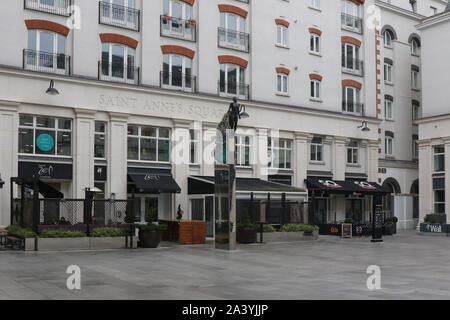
118,38
351,83
351,40
178,50
284,70
191,2
233,60
358,2
282,22
233,9
316,31
47,25
315,76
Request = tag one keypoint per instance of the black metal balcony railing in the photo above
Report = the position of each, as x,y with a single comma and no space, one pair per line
233,89
58,7
353,107
119,16
178,81
46,62
352,22
232,39
353,65
244,1
178,28
117,72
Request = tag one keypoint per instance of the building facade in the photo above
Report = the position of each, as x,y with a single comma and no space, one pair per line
143,84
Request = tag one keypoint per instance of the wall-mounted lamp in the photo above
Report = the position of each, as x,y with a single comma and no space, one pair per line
51,90
364,127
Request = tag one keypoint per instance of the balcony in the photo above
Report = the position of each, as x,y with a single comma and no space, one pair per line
117,72
351,23
232,39
46,62
178,81
58,7
354,108
233,89
119,16
243,1
352,66
178,28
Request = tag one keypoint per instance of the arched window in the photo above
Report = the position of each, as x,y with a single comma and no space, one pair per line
177,20
415,46
387,38
232,31
232,80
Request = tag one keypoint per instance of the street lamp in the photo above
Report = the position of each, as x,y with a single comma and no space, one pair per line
51,90
364,127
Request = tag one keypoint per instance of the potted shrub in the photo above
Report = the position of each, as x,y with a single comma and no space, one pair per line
394,221
150,234
388,227
439,218
246,231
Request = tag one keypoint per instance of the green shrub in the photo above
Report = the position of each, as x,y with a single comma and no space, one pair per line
246,222
298,228
268,228
151,227
110,232
394,219
19,232
61,234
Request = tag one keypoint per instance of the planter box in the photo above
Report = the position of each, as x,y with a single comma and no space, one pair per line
288,236
29,244
438,218
63,244
434,228
107,243
85,243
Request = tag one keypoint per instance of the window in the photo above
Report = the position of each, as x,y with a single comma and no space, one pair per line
388,72
314,4
282,83
46,51
314,44
282,32
415,46
177,9
242,155
100,140
350,15
433,11
439,158
232,30
415,79
316,153
350,57
58,7
232,80
177,72
148,144
388,146
352,152
439,201
415,112
350,100
193,146
387,38
315,89
118,62
415,148
388,114
177,20
280,153
43,135
120,13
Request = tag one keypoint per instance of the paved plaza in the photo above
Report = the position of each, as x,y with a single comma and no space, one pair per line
412,267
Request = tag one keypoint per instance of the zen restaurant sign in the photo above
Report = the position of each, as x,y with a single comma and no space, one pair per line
45,170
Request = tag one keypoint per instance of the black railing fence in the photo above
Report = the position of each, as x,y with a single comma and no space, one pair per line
118,72
240,90
58,7
119,16
352,22
233,39
178,81
46,62
353,65
178,28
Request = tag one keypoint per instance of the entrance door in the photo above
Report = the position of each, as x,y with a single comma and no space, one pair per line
197,209
320,211
354,210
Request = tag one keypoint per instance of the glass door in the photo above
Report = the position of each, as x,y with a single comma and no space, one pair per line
354,210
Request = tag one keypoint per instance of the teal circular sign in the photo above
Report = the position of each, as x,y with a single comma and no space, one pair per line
45,142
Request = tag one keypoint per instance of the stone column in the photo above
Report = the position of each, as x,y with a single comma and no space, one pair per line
425,179
9,121
339,158
372,160
180,160
447,177
260,154
83,164
301,159
117,156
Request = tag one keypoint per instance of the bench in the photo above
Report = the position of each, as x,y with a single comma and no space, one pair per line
12,241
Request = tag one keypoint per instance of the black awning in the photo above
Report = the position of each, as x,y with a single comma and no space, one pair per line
44,189
345,186
153,180
205,185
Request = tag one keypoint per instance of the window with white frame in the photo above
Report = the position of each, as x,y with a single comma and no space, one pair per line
387,38
42,135
352,152
414,79
433,11
350,14
388,72
315,89
100,140
46,50
350,56
415,112
148,144
439,201
314,43
177,9
177,72
118,61
388,145
194,143
232,80
415,46
439,158
232,29
282,35
415,148
282,83
242,155
314,4
351,100
118,11
388,109
316,151
280,153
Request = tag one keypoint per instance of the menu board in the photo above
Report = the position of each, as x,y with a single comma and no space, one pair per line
346,230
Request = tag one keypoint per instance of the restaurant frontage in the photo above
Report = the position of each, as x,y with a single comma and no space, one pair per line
333,202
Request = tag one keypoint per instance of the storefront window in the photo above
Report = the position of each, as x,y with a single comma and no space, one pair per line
45,135
148,144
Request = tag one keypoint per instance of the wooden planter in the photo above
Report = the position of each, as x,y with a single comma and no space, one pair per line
149,238
246,235
185,232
